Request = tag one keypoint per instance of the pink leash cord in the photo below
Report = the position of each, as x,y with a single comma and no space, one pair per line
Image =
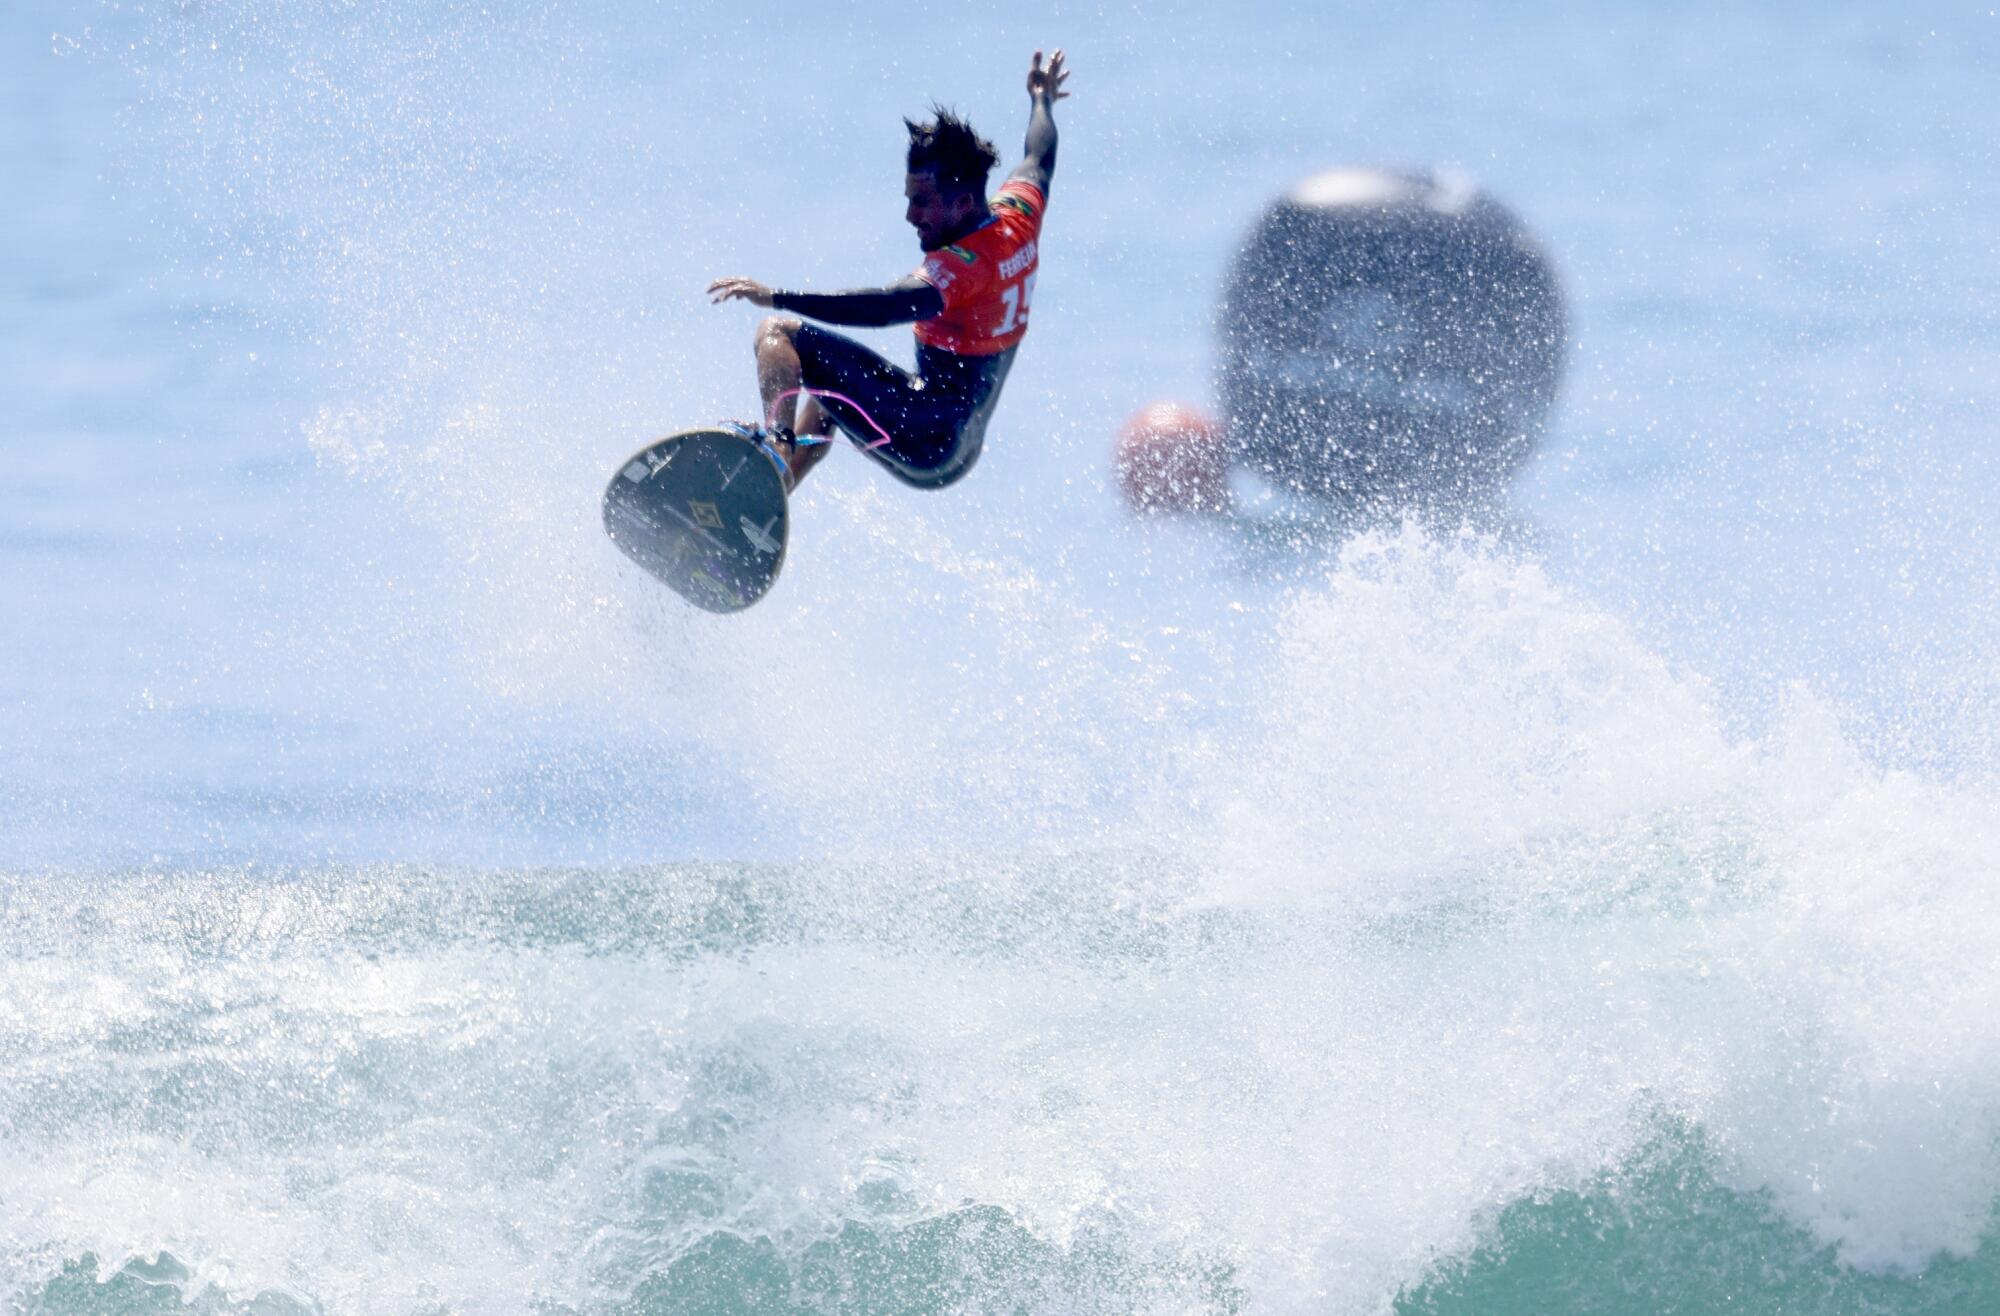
771,419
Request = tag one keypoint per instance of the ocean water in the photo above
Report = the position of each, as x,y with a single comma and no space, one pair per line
405,906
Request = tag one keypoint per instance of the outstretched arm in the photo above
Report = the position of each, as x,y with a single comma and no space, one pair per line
1045,88
865,308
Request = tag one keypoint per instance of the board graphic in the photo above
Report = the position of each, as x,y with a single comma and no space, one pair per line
705,512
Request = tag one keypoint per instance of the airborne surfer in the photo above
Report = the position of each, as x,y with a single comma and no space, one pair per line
969,300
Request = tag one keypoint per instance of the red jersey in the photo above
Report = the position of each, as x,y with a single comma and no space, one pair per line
987,277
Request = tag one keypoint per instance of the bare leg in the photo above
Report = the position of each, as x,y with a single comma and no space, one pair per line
779,372
813,421
778,369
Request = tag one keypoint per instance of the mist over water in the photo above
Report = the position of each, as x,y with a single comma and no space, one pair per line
408,906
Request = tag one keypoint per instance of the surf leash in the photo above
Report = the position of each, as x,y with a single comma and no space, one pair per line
771,419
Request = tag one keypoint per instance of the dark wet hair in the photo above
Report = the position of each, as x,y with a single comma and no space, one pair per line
946,145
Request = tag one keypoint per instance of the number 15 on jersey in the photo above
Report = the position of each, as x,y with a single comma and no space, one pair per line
1015,297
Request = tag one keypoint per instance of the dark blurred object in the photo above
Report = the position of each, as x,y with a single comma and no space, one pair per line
1388,337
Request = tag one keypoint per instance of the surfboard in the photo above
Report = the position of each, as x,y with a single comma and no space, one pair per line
704,511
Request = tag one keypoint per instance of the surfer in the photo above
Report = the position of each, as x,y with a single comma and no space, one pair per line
969,300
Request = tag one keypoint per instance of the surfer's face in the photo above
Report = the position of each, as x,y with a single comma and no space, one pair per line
936,213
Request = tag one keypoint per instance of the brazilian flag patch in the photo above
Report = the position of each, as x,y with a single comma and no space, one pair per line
1015,203
962,254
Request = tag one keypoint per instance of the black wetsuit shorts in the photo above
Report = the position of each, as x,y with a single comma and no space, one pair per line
934,421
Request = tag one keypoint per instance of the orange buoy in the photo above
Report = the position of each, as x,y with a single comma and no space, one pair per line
1172,458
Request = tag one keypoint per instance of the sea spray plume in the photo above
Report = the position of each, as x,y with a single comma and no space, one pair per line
1437,701
1873,1116
1796,943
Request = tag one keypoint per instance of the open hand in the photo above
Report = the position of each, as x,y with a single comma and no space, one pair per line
739,289
1048,82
